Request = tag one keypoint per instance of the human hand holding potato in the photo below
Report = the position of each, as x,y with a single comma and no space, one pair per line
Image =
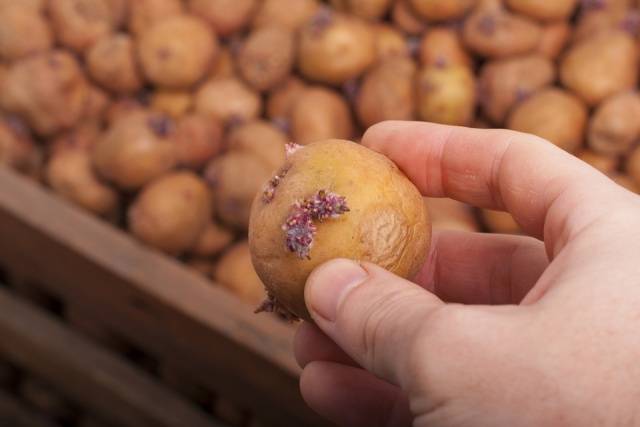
496,329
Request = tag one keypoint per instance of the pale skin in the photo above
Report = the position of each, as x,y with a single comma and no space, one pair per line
495,330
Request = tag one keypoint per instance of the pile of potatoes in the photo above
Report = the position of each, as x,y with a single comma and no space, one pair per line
165,117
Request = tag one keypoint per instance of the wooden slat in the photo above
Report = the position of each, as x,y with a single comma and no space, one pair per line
98,380
152,300
15,414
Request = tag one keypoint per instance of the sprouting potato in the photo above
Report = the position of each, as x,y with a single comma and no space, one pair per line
112,63
235,272
228,99
442,46
320,113
446,95
267,56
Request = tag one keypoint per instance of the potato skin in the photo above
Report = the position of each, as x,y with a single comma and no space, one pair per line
442,10
174,103
495,33
171,212
320,113
16,21
614,126
366,9
198,138
228,99
505,82
78,24
388,223
47,89
261,139
544,10
70,174
405,18
601,66
267,56
554,38
17,149
446,95
113,64
632,165
442,46
225,16
235,272
604,163
334,48
387,92
553,114
283,98
213,239
291,14
177,52
145,13
390,42
235,178
135,150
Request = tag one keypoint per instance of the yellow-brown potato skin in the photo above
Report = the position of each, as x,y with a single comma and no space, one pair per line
228,99
291,14
198,139
145,13
18,21
446,95
442,46
614,127
601,66
213,239
112,63
225,16
261,139
235,272
633,165
554,114
387,224
442,10
78,24
17,149
171,212
390,42
266,57
177,52
544,10
367,9
320,113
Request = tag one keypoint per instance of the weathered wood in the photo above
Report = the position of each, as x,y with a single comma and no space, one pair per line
8,374
152,301
98,380
41,397
15,414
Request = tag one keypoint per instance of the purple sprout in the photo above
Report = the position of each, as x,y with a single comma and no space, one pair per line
299,227
291,148
270,191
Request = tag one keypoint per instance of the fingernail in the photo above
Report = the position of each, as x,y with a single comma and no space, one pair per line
329,284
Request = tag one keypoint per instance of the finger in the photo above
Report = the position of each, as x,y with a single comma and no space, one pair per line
539,184
480,268
352,397
373,315
311,344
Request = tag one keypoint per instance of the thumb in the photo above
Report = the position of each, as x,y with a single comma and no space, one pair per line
374,315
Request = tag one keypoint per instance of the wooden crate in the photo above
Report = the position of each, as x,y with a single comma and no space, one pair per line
178,326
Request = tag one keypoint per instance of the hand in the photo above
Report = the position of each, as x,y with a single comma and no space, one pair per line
496,330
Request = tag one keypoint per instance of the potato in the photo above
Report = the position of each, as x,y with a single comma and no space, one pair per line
442,46
261,139
602,162
228,99
174,103
177,52
136,149
112,63
390,42
47,89
544,10
171,213
615,127
553,114
202,266
224,66
446,95
554,39
213,239
334,199
334,48
198,139
122,107
96,105
16,21
70,174
17,149
495,33
119,12
225,16
145,13
82,137
320,113
500,222
405,19
367,9
601,16
37,5
291,14
505,82
236,177
442,10
235,272
387,92
282,99
632,165
449,214
601,66
266,57
78,24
